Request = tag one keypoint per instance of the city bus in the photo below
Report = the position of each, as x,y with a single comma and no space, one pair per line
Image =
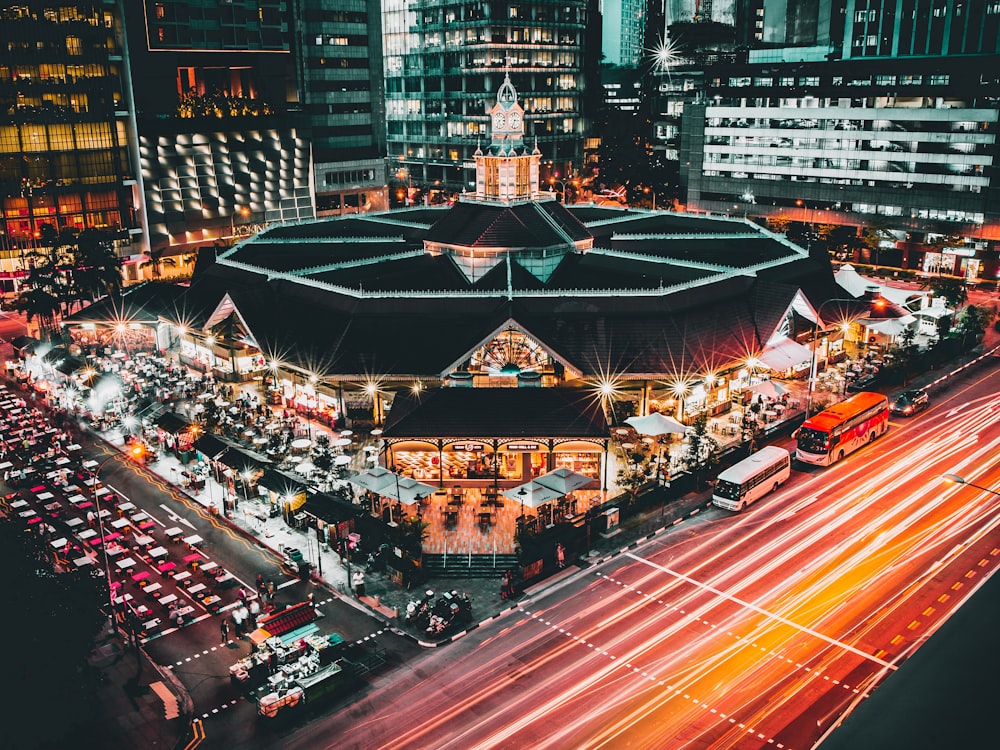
844,427
752,478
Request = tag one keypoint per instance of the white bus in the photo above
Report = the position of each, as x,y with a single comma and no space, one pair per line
752,478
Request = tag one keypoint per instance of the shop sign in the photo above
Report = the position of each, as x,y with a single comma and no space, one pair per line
967,252
467,447
522,446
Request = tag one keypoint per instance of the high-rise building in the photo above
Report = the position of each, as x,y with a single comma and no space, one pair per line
624,30
443,61
64,127
337,49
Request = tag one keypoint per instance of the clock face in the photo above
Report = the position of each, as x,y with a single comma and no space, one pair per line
499,120
515,121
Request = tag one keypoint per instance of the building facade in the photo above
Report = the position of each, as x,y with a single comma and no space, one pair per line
64,128
445,60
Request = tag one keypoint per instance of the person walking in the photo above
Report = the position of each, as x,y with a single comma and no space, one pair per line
224,627
560,556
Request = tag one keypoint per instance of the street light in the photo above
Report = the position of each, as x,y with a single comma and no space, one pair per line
552,183
956,479
878,303
100,528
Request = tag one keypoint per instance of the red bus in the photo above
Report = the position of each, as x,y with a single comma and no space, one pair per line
844,427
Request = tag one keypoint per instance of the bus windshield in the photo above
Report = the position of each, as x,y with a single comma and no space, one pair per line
727,490
813,441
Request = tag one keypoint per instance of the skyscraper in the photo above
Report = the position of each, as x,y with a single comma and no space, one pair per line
624,29
445,60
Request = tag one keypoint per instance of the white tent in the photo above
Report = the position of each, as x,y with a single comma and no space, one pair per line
892,326
655,424
374,479
770,389
406,489
533,494
564,480
784,353
848,278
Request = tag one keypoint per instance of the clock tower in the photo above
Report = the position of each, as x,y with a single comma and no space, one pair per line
508,170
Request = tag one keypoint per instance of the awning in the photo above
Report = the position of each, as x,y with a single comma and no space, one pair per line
172,423
241,460
211,446
330,508
785,353
891,327
280,482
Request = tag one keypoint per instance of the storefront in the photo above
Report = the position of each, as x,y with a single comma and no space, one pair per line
567,429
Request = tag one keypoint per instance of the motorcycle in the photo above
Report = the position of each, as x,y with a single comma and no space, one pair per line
419,612
450,609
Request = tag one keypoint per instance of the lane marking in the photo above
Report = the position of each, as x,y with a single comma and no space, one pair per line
770,615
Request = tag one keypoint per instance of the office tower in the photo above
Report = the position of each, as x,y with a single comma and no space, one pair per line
223,146
444,61
337,51
63,127
624,29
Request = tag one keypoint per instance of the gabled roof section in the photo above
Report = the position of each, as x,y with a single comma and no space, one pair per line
529,224
497,412
510,323
142,303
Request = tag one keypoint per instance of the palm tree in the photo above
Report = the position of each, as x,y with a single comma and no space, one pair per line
156,262
96,267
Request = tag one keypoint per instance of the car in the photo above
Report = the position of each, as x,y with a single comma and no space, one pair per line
910,402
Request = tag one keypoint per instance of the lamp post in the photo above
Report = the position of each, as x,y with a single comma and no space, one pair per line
552,183
94,474
956,479
814,360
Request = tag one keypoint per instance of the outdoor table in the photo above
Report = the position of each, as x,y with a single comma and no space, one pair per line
168,599
19,504
146,525
76,498
192,540
166,567
140,576
193,558
120,524
209,567
139,518
45,496
90,464
151,624
53,506
151,589
182,576
197,588
157,552
57,543
83,561
143,540
114,551
102,491
112,536
27,513
128,562
212,603
122,599
104,513
62,461
173,533
85,505
74,447
126,507
74,522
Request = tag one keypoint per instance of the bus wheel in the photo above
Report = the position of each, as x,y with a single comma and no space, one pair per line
775,488
742,506
871,438
840,456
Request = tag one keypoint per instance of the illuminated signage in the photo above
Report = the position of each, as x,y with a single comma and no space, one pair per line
467,447
522,446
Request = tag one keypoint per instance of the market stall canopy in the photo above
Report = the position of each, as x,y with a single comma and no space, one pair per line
533,494
281,483
564,480
172,423
406,490
20,343
892,326
785,353
373,479
241,459
211,446
655,424
330,508
769,388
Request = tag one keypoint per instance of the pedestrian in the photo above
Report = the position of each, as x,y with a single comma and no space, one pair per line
242,595
237,622
270,590
560,556
505,585
260,584
224,626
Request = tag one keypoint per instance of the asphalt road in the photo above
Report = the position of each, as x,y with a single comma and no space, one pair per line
756,630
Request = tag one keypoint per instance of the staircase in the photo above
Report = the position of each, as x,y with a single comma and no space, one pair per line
466,566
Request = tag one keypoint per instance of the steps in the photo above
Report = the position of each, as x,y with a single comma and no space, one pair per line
464,566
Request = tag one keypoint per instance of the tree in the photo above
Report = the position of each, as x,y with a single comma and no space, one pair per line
636,470
905,352
52,623
951,288
874,233
971,325
156,262
702,453
96,266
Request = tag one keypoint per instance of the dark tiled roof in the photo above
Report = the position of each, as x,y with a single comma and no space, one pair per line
289,257
142,303
497,412
473,224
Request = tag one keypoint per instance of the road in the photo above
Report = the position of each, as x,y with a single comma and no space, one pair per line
756,630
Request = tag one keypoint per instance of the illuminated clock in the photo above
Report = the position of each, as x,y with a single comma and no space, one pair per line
499,120
515,121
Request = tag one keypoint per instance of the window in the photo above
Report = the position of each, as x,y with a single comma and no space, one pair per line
939,80
809,81
871,40
885,80
787,81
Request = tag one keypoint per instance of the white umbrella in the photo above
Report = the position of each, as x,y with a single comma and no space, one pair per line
341,442
533,494
655,424
374,479
304,467
769,388
341,460
301,443
564,480
407,490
